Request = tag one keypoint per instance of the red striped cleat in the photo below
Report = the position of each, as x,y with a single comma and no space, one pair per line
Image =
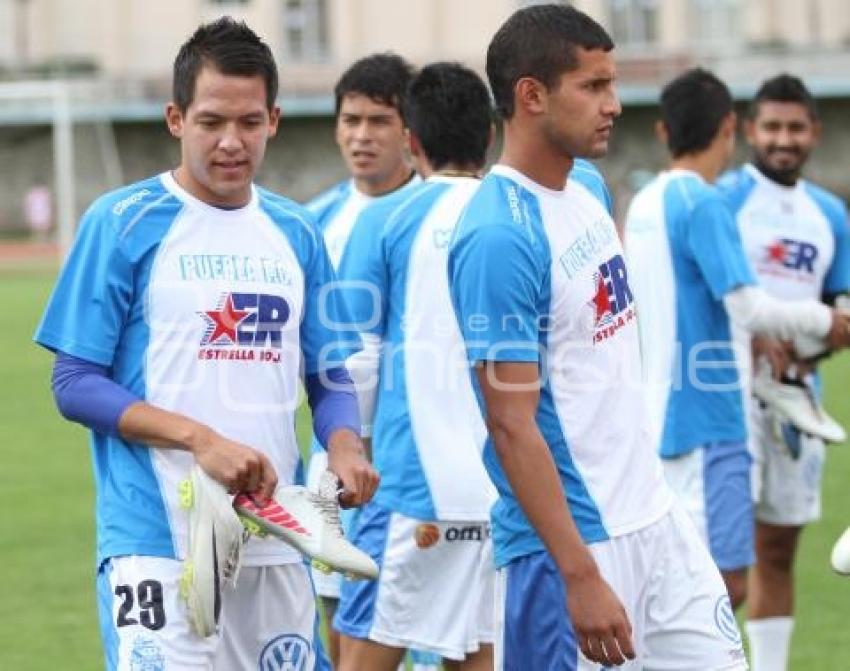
310,523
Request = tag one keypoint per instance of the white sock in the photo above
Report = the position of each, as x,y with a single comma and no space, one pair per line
770,641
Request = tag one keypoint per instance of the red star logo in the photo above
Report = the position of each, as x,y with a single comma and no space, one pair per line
776,252
601,300
225,321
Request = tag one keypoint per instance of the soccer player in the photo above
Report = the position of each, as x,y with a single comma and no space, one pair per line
690,278
371,134
427,526
593,553
180,321
796,238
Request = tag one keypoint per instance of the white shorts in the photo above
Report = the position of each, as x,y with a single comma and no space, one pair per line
269,616
713,484
786,482
672,591
435,589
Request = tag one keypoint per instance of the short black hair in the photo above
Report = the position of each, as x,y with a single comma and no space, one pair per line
784,88
381,77
229,46
540,41
693,106
448,110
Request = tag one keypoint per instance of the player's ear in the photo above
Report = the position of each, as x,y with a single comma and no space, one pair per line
661,132
274,119
530,95
414,144
174,119
817,131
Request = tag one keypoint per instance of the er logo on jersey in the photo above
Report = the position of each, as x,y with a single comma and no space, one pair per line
791,254
243,323
613,300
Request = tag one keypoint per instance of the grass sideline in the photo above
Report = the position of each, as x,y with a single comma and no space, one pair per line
47,613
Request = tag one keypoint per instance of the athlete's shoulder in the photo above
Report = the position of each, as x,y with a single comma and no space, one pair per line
132,217
294,221
736,186
328,201
591,178
832,205
692,191
122,206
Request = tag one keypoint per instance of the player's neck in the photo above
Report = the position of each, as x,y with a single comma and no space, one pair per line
397,179
705,164
535,158
457,170
785,179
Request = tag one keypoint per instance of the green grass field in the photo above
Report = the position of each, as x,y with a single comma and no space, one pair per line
47,610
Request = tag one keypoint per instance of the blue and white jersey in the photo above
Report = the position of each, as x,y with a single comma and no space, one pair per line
428,431
337,209
538,275
796,238
684,254
335,212
206,312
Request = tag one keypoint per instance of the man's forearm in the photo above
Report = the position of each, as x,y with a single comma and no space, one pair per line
532,474
145,423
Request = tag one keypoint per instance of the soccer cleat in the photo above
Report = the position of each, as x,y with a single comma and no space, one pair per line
215,545
310,523
841,554
795,401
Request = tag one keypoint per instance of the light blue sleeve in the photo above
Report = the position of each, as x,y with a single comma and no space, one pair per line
495,279
328,336
837,280
86,313
363,272
715,243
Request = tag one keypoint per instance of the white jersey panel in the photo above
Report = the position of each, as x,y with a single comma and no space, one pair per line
787,238
593,359
220,368
338,229
651,277
444,413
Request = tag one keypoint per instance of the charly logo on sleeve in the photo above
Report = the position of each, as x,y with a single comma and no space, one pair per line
245,327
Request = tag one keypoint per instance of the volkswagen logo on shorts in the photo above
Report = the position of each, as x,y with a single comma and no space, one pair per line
724,617
285,653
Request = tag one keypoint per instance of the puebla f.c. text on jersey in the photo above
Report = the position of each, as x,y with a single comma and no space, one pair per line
207,312
538,275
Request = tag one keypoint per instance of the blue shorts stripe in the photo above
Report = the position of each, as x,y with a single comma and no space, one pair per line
538,633
108,633
729,504
356,610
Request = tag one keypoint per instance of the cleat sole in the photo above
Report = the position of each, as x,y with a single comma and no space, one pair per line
186,494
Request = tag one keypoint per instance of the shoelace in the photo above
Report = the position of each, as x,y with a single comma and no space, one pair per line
329,509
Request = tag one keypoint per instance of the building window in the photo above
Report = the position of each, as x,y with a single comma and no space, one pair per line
306,31
634,23
715,23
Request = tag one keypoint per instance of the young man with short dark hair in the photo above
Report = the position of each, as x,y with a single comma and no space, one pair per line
796,238
593,554
186,309
692,284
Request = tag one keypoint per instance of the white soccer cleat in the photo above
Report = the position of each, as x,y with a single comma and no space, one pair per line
309,522
796,402
215,545
841,554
